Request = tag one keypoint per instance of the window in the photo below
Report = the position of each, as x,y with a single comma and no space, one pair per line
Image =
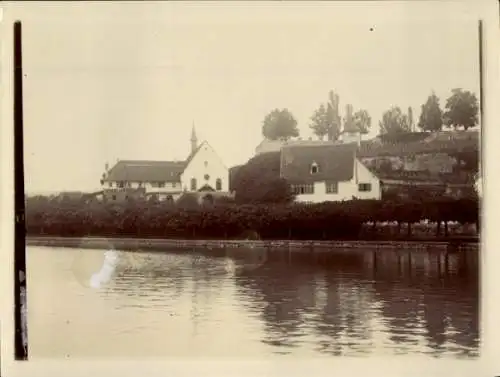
218,184
332,187
110,184
121,184
161,184
365,187
113,197
307,188
314,168
193,184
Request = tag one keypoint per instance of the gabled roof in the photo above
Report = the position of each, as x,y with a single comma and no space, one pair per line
146,171
193,153
335,162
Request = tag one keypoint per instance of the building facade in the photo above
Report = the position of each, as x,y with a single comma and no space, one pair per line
202,172
329,172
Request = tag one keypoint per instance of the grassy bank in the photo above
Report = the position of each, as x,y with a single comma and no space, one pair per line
151,244
350,220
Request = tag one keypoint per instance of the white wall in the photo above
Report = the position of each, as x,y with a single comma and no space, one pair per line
169,186
366,176
268,146
346,190
215,169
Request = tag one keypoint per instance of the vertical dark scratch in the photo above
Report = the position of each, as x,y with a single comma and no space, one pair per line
481,73
20,320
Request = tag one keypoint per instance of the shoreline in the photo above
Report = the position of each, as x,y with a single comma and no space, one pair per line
152,244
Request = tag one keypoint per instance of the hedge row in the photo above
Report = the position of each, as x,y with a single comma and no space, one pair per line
328,220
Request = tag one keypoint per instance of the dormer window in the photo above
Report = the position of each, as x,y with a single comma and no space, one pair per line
314,168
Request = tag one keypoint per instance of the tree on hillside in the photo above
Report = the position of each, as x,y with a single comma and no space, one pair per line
320,124
325,120
259,181
431,115
280,124
410,119
333,116
462,109
393,122
362,121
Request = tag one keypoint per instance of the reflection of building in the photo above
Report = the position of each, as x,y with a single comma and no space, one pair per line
327,172
202,172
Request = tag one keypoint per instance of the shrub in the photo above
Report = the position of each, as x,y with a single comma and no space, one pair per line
329,220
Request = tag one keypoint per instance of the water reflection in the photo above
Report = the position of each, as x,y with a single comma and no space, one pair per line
230,302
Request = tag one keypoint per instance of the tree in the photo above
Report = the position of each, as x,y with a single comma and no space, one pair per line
280,124
362,121
462,109
410,119
319,122
431,116
326,119
333,116
259,181
394,122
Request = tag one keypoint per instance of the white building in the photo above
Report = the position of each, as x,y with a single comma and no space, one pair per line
267,145
202,172
328,172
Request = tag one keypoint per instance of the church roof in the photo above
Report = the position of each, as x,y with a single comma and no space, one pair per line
146,171
193,153
335,162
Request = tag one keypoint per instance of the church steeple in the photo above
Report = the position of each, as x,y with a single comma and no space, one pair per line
194,140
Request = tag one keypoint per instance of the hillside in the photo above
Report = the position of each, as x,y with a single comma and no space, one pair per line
421,142
445,157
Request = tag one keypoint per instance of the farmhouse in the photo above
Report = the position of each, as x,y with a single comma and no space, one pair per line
203,172
327,172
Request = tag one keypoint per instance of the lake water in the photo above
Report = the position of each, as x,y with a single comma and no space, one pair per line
241,303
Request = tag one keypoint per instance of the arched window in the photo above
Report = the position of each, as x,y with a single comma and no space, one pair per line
193,184
314,168
218,184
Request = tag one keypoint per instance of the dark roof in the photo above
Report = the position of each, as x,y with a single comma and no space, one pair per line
146,171
335,162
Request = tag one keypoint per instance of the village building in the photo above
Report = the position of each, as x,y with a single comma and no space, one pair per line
267,145
203,173
328,172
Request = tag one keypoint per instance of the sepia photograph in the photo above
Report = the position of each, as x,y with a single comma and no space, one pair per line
259,181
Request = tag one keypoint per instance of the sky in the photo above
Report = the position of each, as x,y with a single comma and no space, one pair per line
108,81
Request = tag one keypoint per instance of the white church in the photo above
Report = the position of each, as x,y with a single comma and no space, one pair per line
203,172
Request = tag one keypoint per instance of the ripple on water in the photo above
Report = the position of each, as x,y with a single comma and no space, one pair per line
172,304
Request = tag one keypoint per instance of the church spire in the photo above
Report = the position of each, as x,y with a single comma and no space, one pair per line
194,139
